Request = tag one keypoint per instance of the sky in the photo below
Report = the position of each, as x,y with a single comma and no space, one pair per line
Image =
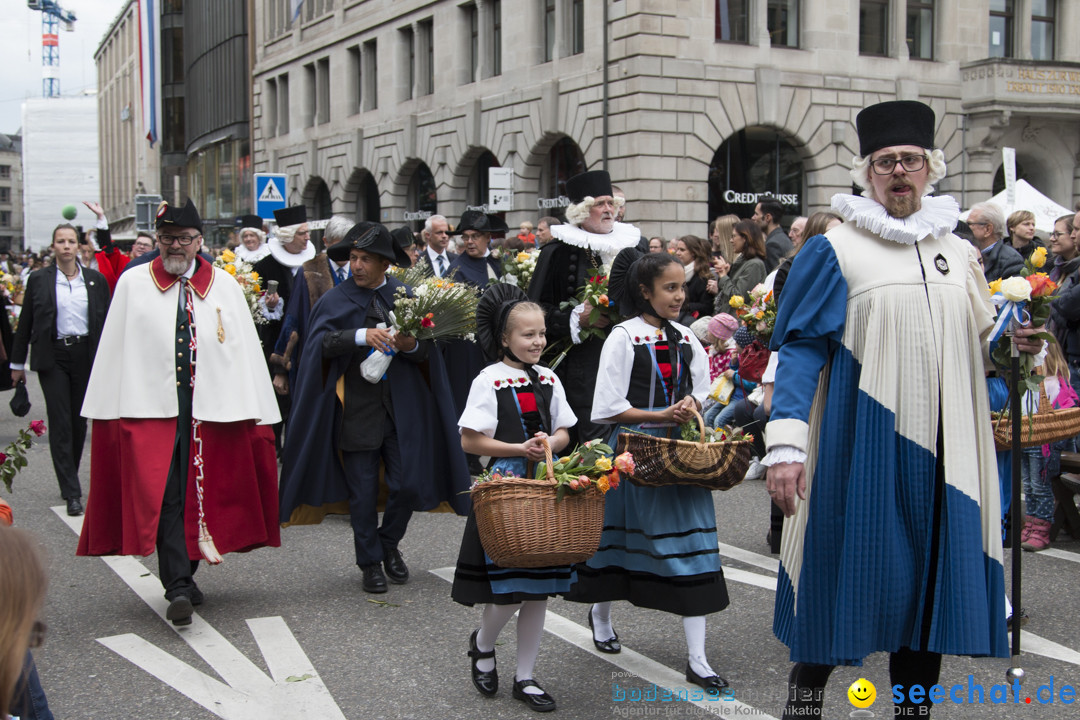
20,52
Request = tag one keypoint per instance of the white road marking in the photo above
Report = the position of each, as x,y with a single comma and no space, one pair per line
634,662
750,558
247,691
1061,554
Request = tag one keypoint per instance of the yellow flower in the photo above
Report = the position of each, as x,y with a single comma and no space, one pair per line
603,484
228,256
254,276
230,268
760,314
995,286
522,256
256,289
736,301
1038,257
603,464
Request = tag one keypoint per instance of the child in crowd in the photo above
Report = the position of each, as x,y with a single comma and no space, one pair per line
1041,463
659,547
514,405
722,351
743,387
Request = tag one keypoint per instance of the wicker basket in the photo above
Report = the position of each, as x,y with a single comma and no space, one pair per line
1046,426
522,525
660,461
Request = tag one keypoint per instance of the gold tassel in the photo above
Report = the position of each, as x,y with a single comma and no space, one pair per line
220,328
206,546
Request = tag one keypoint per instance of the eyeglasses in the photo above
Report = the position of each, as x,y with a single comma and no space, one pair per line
1056,234
910,163
37,634
184,240
973,224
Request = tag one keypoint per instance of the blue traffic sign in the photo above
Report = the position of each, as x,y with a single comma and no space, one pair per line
269,194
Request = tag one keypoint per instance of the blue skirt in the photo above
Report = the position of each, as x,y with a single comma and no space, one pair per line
479,580
658,549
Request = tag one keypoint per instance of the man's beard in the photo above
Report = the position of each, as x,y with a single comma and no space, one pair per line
904,205
175,264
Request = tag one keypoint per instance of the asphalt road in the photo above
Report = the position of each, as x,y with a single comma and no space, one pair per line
336,652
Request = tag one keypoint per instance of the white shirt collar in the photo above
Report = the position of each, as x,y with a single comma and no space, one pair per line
287,258
937,216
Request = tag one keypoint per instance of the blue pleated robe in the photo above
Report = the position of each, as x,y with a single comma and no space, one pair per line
881,381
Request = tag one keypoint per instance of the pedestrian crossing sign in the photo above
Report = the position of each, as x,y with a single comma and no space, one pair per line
269,194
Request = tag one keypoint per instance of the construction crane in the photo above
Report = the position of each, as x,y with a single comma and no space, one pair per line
51,17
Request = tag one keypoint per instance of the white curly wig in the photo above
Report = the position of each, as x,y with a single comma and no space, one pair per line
860,171
579,213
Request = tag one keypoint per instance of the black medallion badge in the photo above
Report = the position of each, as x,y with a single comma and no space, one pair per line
941,264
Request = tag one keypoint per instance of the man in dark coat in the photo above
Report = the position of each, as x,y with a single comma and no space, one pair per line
987,223
343,425
767,214
582,248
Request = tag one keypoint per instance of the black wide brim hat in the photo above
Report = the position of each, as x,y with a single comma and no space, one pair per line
249,221
403,236
480,222
370,237
898,122
184,217
595,183
491,314
295,215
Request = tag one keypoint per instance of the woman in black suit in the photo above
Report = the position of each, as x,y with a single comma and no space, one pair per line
62,316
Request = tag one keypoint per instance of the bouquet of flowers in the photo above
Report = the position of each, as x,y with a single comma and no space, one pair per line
437,308
595,292
589,465
1025,297
759,316
248,280
411,276
12,287
727,434
518,268
13,458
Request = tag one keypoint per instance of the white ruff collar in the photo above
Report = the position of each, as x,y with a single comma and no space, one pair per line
621,237
285,257
937,216
252,256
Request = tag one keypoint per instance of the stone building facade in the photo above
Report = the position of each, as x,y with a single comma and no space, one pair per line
11,191
392,110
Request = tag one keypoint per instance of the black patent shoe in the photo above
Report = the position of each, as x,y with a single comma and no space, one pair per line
180,610
486,682
374,580
396,569
610,646
713,682
74,507
538,703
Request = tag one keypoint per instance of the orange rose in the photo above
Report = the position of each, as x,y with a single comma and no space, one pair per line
1041,285
603,300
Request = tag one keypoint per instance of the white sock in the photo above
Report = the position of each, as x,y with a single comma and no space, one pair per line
601,618
492,621
695,645
530,628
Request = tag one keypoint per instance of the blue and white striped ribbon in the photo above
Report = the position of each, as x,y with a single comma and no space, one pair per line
1008,311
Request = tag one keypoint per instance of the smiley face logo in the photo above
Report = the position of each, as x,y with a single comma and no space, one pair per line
862,693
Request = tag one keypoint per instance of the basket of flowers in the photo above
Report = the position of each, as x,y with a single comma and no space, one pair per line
552,519
712,458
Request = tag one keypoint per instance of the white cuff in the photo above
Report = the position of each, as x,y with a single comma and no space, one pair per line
783,454
102,224
787,432
275,314
575,323
361,337
17,366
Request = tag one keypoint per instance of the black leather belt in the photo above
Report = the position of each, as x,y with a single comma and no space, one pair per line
69,340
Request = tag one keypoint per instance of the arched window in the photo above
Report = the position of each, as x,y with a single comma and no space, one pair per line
754,162
476,194
564,161
368,205
422,197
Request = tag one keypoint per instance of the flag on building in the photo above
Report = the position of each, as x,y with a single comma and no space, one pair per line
150,67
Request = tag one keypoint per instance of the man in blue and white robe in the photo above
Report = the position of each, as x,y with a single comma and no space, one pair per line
881,452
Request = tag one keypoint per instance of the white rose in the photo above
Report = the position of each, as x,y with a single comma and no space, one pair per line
1016,289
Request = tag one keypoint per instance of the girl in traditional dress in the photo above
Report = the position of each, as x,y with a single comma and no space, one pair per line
513,406
659,548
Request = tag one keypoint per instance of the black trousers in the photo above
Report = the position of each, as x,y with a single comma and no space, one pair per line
64,387
174,566
372,540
